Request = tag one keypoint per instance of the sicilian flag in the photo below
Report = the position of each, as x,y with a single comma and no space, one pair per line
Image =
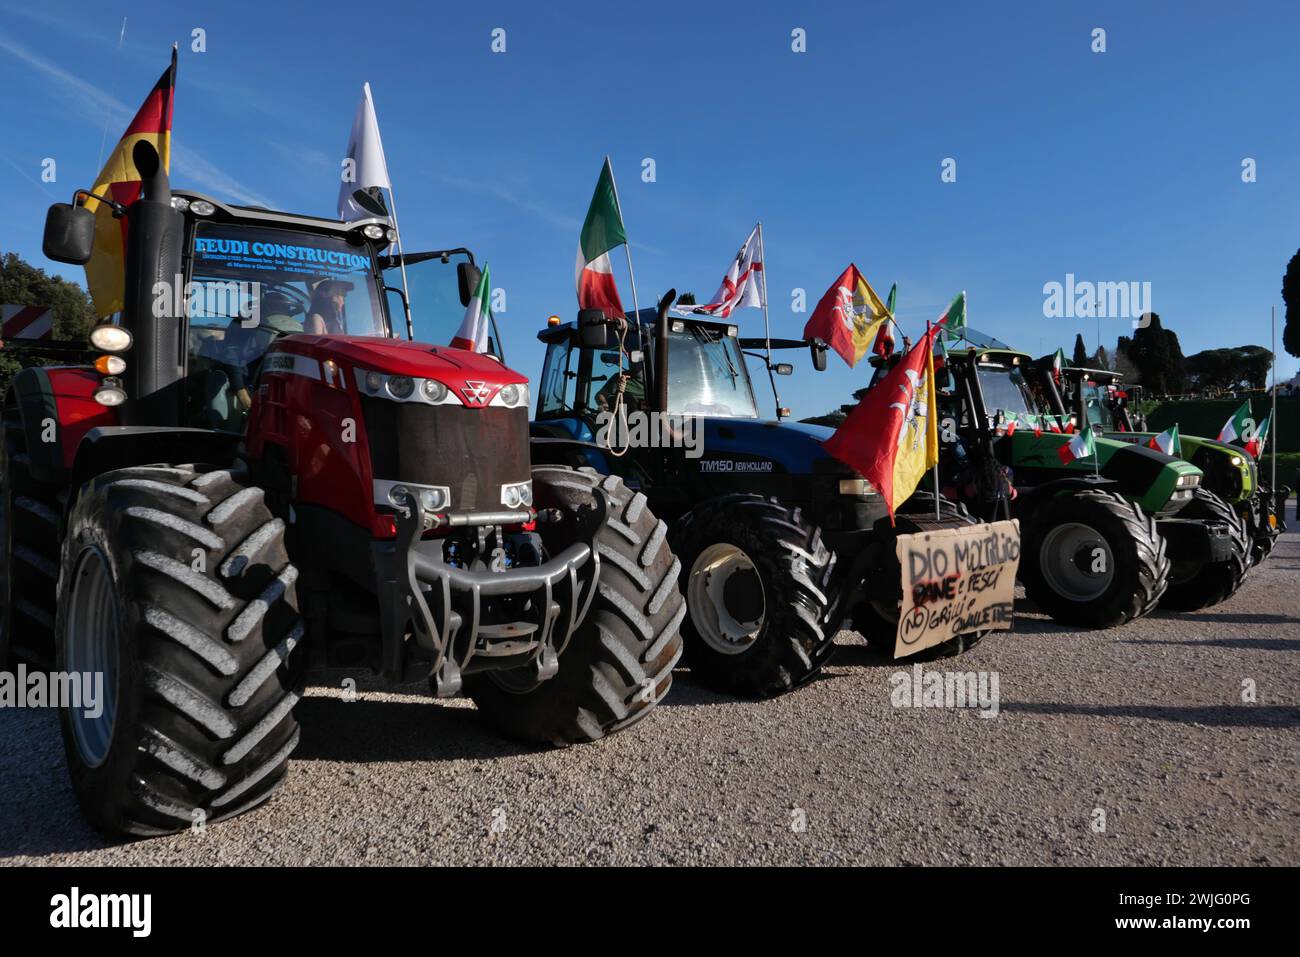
953,319
1255,444
473,331
368,168
120,181
1058,363
1235,427
848,317
1079,447
1167,442
891,437
743,284
602,230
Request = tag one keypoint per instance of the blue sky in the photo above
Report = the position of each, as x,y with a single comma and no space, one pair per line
1118,166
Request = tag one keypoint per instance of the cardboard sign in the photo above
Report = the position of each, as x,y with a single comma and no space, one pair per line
955,581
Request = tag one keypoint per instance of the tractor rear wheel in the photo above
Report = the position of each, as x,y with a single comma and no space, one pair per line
757,582
175,586
30,513
1092,558
1194,585
877,621
619,662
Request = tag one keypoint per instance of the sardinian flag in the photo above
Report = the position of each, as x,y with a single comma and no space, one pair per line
365,166
742,285
26,322
473,331
1167,442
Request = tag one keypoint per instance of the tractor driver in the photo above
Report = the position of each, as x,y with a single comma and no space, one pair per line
327,315
244,347
634,390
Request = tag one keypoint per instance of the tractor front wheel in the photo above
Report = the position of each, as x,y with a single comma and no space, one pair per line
757,582
619,662
1092,558
176,605
1194,585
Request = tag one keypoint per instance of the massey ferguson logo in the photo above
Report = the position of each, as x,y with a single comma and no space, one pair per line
477,393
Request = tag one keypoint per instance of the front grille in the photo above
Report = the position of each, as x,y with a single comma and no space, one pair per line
471,451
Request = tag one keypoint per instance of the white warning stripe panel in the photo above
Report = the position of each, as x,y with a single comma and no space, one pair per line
26,322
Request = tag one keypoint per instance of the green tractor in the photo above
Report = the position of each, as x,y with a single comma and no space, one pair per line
1097,397
1106,536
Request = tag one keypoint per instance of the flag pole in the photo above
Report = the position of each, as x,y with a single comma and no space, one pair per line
929,344
627,248
1273,418
767,325
406,292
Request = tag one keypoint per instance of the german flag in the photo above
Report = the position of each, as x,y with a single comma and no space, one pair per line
120,181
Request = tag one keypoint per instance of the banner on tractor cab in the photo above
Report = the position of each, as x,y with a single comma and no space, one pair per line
956,581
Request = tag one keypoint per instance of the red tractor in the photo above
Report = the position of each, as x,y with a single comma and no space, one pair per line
248,477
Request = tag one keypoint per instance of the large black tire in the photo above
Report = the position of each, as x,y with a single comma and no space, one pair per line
191,567
1138,566
30,513
790,575
619,663
1191,586
877,623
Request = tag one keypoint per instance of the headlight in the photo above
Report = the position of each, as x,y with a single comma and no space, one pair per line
110,365
181,203
201,207
373,381
433,498
1237,460
856,487
373,231
110,338
400,386
110,392
511,396
513,496
434,390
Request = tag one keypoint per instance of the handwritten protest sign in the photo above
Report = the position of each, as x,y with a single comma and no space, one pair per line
956,580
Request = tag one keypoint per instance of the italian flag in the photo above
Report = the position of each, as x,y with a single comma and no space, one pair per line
473,331
1167,442
953,319
601,231
1255,444
1079,447
1235,427
1058,363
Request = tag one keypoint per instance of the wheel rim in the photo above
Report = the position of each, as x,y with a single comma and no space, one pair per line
92,648
1077,561
726,599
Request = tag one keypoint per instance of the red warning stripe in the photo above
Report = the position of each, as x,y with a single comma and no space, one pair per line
26,322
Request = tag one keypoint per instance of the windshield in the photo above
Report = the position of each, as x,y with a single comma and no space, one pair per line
434,286
707,374
1096,403
1004,391
250,285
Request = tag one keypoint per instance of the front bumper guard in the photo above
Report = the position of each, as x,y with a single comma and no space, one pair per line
1194,540
446,606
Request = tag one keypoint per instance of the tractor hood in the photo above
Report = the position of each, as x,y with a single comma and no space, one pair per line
754,445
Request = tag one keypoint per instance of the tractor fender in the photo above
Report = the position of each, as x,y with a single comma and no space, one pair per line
106,448
57,407
1029,499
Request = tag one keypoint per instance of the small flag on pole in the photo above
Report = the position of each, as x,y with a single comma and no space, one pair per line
848,316
1167,442
602,230
1255,444
1058,363
473,331
1235,427
1079,447
953,319
742,285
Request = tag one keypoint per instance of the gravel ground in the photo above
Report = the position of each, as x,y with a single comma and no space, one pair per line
1145,724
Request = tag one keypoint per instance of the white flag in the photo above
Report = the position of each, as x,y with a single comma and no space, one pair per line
365,165
741,286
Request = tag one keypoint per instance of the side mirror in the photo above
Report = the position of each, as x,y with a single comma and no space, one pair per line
467,278
69,234
783,368
818,349
593,329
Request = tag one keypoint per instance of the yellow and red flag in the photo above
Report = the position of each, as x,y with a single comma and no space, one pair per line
848,316
892,437
120,181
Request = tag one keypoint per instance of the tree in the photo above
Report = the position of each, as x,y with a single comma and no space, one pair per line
1232,368
1124,363
1158,356
1291,296
22,284
1100,360
1080,357
686,299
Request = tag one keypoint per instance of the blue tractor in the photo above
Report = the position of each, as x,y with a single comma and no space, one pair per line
777,544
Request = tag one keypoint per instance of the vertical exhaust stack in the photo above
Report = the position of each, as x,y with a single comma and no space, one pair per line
154,271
